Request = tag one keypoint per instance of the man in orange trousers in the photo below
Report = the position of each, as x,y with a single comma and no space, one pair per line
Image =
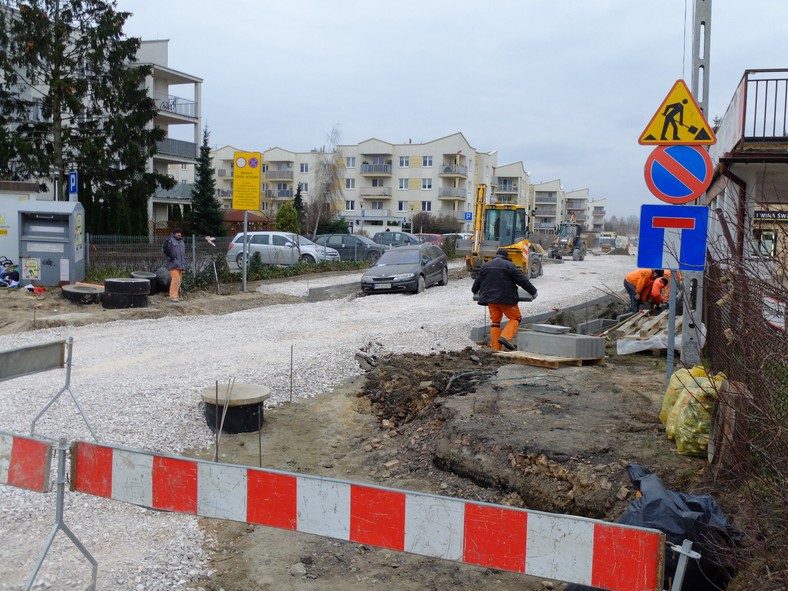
496,285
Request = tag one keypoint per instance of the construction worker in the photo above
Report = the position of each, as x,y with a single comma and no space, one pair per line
638,285
175,251
658,295
496,285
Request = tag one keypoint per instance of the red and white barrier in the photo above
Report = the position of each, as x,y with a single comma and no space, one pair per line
24,462
565,548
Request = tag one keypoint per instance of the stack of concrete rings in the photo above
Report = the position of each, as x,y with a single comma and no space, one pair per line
126,292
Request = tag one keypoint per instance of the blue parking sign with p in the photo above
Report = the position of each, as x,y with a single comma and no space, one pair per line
72,183
468,216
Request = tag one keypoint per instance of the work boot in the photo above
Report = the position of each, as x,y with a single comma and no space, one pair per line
507,344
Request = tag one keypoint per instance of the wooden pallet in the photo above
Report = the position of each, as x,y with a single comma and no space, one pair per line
642,326
549,361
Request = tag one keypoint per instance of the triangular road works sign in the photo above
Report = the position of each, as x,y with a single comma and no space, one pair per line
678,121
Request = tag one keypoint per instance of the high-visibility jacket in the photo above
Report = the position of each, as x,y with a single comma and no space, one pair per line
657,295
642,280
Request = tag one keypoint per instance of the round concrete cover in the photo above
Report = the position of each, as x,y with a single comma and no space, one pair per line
240,395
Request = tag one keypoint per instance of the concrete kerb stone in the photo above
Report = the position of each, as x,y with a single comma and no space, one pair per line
481,334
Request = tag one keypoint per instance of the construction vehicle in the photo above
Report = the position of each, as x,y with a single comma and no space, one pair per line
607,241
499,225
568,241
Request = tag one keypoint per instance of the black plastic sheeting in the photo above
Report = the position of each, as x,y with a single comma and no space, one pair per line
680,516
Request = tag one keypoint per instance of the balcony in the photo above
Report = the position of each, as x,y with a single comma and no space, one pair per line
545,198
756,118
279,175
453,170
375,169
169,104
506,188
452,193
368,214
177,148
375,192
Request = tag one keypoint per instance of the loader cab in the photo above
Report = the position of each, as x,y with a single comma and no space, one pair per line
505,224
566,231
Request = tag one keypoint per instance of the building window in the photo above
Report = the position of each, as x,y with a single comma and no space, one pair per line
426,161
350,205
404,161
377,205
403,184
377,182
426,184
350,183
305,187
402,206
350,162
264,168
426,206
767,242
304,167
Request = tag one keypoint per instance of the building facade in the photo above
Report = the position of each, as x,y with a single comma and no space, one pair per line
178,99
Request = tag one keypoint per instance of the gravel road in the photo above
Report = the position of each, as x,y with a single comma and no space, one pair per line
139,383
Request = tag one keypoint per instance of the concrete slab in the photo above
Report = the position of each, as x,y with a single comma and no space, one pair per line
550,328
562,345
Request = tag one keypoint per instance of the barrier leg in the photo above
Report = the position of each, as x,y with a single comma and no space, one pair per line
60,525
66,388
681,568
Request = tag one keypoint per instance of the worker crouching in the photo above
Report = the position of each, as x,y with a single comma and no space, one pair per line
496,284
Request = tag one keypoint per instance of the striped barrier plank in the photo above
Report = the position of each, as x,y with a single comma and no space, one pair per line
571,549
24,462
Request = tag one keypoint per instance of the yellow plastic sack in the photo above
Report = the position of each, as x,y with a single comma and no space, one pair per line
693,422
676,385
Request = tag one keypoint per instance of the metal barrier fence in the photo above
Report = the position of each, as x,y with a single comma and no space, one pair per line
144,253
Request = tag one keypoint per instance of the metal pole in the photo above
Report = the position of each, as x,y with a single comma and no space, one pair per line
671,328
245,251
686,552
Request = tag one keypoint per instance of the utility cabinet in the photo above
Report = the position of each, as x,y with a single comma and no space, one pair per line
51,242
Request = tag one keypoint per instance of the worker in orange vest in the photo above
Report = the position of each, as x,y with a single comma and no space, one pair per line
638,285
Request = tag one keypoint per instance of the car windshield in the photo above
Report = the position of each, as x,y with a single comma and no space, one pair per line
302,240
400,257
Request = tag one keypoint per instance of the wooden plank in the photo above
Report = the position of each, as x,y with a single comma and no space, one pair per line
626,326
549,361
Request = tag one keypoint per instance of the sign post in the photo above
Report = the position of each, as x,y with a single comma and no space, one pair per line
73,186
678,171
246,195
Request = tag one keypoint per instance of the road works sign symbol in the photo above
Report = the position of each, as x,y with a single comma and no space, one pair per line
678,121
678,174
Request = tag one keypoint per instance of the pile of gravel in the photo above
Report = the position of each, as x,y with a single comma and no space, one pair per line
139,382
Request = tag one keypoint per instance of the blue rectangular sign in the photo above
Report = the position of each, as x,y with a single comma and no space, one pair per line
673,237
72,183
468,216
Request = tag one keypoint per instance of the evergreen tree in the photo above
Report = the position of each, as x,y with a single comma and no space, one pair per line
298,203
73,98
287,219
207,217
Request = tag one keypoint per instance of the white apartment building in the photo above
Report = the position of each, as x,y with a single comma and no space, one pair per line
548,204
595,214
575,204
178,100
512,184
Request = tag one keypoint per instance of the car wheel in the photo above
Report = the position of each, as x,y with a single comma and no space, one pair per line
420,284
239,260
373,255
308,259
444,277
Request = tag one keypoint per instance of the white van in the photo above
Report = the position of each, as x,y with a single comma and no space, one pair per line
279,248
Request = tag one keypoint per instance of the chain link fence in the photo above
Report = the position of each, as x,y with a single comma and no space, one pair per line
745,304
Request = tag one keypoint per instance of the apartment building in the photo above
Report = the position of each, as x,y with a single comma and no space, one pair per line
575,204
548,203
384,184
512,184
178,100
596,211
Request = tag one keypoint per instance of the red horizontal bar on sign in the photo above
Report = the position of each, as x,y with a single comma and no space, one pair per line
668,222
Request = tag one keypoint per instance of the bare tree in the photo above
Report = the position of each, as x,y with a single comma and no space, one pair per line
329,173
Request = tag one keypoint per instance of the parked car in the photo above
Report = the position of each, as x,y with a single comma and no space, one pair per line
410,268
436,239
279,248
459,235
396,238
352,247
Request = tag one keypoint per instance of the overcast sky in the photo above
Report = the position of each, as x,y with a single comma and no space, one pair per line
565,86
